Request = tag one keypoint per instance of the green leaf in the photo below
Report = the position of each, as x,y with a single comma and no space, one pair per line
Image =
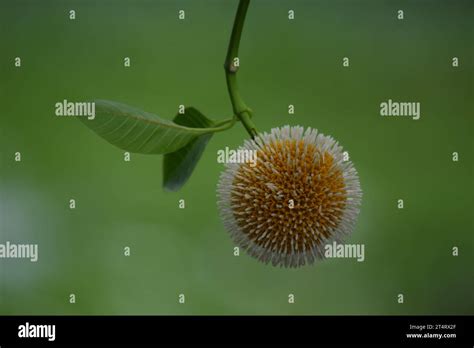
138,131
179,165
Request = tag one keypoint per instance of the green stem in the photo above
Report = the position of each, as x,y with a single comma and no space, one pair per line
241,110
224,125
226,121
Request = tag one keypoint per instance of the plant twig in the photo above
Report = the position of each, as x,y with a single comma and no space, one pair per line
241,110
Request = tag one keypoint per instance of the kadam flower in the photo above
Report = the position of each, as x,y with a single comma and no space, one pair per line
301,195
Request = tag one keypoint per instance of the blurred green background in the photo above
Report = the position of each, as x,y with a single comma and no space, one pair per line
283,62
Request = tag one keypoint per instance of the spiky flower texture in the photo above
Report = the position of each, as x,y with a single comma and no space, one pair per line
301,196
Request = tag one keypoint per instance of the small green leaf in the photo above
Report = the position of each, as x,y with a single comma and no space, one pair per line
138,131
179,165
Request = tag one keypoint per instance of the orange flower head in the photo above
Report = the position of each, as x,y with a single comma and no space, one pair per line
301,195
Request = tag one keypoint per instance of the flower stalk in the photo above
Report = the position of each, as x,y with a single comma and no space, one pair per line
241,110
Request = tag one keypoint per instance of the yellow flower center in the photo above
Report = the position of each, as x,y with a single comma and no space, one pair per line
292,199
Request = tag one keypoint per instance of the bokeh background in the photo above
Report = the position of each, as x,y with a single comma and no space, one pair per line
283,62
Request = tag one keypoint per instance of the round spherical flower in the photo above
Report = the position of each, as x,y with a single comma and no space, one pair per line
300,195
